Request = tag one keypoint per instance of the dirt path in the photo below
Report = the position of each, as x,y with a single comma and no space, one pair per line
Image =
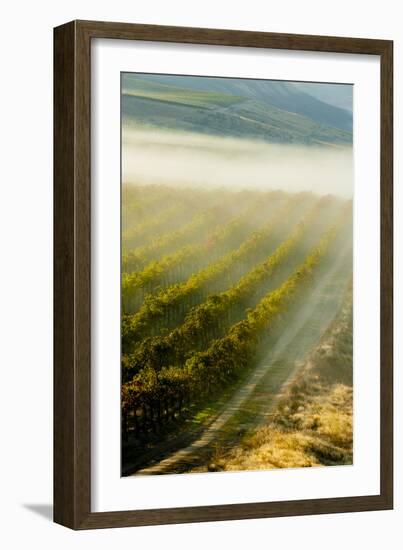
250,404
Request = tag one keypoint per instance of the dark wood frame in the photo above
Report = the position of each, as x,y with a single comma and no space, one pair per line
72,320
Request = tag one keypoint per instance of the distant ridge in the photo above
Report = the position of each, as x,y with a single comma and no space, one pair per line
284,95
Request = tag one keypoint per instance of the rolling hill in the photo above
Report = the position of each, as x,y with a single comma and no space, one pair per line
277,112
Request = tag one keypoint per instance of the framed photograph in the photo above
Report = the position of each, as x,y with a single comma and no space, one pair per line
222,275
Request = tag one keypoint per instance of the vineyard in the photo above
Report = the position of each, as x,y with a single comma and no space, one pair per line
212,282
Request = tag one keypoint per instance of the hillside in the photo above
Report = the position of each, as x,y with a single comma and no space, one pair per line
339,95
276,112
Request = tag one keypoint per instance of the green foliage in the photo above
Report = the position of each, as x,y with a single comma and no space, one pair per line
171,304
177,265
214,315
225,359
191,339
188,221
151,226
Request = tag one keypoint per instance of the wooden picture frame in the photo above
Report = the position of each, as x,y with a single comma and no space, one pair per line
72,271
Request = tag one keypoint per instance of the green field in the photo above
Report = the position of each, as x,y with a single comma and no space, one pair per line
286,116
172,94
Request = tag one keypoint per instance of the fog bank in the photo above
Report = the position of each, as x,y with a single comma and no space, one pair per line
183,159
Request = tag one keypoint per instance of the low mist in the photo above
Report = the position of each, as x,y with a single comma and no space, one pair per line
178,158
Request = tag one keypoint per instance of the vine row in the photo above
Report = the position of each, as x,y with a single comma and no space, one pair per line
212,317
169,306
153,397
177,266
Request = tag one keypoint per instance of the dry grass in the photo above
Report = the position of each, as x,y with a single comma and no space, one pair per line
312,423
